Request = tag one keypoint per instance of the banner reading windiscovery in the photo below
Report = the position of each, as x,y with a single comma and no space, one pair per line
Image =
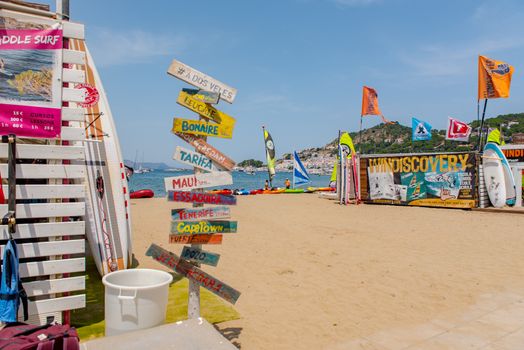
30,76
433,180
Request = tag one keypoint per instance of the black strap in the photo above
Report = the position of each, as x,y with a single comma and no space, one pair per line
23,298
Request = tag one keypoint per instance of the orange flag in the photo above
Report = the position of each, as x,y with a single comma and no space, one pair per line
494,78
370,102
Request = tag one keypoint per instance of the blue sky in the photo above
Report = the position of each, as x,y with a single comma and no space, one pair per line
298,65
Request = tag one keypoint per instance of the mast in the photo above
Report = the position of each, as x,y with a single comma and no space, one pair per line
267,160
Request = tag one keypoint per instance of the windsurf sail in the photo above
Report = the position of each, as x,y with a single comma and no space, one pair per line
300,175
270,154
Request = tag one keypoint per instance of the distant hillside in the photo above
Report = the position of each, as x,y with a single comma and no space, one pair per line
159,166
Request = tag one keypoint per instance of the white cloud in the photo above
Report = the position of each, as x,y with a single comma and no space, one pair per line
112,47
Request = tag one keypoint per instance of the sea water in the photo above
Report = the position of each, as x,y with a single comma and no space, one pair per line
155,180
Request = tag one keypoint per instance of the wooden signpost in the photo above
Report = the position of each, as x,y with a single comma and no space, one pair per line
193,273
200,256
205,110
195,159
197,214
204,198
197,127
203,96
207,150
192,76
199,180
203,227
196,239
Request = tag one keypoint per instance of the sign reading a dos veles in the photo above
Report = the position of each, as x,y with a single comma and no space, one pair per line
199,180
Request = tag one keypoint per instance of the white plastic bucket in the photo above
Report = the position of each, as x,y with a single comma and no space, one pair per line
135,299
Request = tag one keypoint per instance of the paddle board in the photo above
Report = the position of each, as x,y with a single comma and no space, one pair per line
509,180
494,177
108,221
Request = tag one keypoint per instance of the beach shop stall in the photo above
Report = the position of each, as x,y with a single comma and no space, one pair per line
423,179
515,156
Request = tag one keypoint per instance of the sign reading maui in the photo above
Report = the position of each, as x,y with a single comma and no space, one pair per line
197,127
207,150
198,180
205,110
194,159
192,76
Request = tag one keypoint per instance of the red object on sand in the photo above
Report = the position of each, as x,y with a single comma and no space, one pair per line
146,193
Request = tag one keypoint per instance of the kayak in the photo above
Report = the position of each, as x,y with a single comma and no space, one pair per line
296,190
321,189
226,191
145,193
259,191
241,192
278,191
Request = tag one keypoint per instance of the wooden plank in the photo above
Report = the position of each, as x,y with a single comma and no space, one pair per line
59,285
73,95
42,210
194,159
39,249
203,96
209,151
47,191
73,30
200,256
203,227
47,171
193,273
205,110
200,80
73,134
73,57
205,198
198,180
51,267
195,239
28,151
55,304
195,214
71,114
45,229
197,127
73,75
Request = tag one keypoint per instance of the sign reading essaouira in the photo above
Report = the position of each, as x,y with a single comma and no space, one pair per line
207,150
196,239
205,110
194,159
197,214
192,76
200,127
193,273
203,96
198,180
205,198
200,227
200,256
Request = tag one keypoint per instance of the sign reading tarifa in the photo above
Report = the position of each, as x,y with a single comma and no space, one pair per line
198,180
205,110
194,159
436,163
192,76
197,127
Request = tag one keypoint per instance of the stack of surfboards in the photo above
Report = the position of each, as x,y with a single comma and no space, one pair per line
498,178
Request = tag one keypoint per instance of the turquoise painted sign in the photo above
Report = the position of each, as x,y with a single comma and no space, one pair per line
200,256
194,159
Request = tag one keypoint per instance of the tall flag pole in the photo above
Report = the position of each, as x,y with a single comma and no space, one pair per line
270,155
494,81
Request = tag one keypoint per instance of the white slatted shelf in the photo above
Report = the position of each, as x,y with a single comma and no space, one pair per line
73,133
56,304
73,75
73,57
43,210
72,114
51,267
73,95
46,171
47,191
30,151
59,285
40,249
73,30
45,229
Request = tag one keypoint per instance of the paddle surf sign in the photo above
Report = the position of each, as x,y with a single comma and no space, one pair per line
194,159
209,151
196,239
193,273
204,198
200,127
197,214
200,80
198,180
200,256
205,110
203,227
203,96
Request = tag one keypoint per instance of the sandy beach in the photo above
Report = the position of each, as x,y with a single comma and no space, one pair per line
316,275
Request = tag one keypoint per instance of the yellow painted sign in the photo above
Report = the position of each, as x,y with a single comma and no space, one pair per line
197,127
205,110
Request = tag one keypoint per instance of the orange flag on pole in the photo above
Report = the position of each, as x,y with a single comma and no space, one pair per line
370,102
494,78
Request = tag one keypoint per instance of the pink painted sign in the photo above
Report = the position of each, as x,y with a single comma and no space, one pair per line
29,39
30,121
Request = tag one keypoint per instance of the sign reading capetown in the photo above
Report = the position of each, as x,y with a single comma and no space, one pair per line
30,76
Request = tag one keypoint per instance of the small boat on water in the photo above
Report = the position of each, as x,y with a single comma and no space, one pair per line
144,193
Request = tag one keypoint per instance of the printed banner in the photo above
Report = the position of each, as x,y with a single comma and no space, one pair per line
514,153
370,102
457,130
421,131
30,76
434,180
494,78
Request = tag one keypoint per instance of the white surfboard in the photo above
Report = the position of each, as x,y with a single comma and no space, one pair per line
494,177
509,180
108,221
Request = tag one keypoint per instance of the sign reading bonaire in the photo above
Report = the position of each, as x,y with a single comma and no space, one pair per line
192,76
207,150
194,159
197,127
205,110
198,180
